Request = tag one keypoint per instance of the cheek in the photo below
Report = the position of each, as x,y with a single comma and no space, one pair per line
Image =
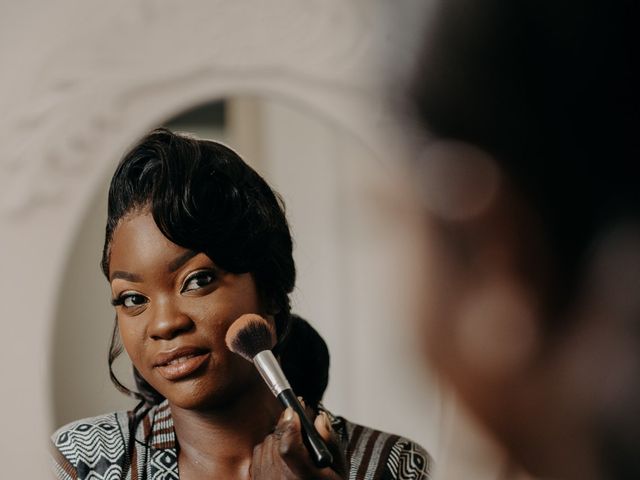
221,310
131,335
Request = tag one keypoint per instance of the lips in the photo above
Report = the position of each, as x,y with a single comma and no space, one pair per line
180,362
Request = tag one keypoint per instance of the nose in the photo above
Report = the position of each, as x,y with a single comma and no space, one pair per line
168,320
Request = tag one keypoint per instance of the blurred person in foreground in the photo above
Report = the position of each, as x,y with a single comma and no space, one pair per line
531,174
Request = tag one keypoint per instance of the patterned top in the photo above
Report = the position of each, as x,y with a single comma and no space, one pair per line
103,448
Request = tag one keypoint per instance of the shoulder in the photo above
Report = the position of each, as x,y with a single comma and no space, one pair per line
379,455
408,460
89,434
96,444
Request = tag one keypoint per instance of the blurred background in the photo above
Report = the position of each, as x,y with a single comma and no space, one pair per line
303,91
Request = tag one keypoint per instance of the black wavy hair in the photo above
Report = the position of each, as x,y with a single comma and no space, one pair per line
204,197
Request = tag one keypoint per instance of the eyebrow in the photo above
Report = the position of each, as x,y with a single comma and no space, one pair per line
179,261
174,265
131,277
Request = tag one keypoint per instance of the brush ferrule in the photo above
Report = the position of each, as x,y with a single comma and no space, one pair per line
271,372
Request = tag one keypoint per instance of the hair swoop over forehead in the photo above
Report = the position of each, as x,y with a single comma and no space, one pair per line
204,197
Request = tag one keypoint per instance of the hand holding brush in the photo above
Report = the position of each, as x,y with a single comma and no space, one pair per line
251,337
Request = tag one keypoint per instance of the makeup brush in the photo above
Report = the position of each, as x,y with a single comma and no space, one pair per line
251,337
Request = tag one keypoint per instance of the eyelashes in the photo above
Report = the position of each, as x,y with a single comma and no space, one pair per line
198,280
118,301
129,300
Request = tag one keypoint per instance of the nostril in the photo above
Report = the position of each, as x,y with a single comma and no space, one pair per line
167,327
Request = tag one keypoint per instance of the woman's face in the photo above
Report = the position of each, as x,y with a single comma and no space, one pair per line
174,307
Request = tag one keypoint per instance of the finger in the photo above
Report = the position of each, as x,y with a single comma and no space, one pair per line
260,461
322,423
291,447
256,461
289,435
265,460
297,458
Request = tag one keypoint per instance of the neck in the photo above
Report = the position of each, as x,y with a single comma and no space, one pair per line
222,439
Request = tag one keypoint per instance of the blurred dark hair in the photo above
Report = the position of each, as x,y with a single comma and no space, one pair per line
204,197
550,89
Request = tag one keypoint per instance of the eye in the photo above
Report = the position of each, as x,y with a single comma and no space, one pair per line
129,300
198,280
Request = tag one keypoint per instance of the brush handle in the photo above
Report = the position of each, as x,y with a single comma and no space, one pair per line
321,455
272,374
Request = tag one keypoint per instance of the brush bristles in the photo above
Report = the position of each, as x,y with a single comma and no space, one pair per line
249,335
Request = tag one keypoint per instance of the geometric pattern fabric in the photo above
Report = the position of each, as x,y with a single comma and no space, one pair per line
141,445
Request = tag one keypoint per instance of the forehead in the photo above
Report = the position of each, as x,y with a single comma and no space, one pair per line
138,243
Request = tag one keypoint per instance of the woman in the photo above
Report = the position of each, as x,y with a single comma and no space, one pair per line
194,239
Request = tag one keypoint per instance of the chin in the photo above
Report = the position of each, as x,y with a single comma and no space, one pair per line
202,394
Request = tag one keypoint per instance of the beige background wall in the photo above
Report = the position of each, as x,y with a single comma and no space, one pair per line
81,80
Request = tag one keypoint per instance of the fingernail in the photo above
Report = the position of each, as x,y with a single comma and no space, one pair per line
301,400
288,414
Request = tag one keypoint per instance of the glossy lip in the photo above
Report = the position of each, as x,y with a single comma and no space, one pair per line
180,362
